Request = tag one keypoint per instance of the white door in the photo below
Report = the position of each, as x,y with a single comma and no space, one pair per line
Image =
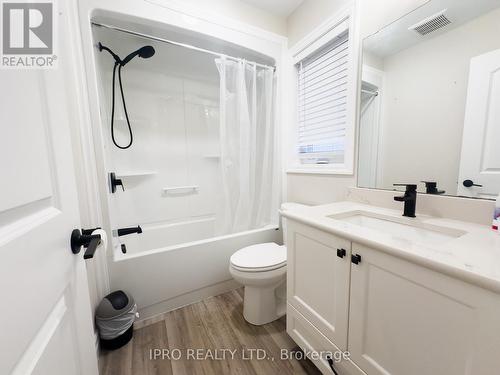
318,279
408,320
480,161
46,321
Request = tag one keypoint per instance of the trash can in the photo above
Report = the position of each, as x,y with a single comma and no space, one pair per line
115,318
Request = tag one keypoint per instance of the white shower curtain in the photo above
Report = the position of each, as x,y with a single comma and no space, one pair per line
248,142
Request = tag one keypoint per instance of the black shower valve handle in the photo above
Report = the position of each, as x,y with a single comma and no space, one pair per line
114,182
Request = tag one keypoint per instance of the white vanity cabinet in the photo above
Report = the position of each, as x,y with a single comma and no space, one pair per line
391,315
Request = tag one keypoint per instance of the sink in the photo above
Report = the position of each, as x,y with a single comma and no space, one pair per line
401,228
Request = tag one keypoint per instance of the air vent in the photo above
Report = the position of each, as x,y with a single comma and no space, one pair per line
431,24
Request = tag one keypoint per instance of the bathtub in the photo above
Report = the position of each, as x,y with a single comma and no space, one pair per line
162,274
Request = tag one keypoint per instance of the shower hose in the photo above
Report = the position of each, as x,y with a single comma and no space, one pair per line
119,66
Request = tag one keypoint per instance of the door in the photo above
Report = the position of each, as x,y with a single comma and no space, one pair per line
318,279
480,160
407,319
45,307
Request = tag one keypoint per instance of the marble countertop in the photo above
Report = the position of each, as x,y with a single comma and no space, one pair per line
473,257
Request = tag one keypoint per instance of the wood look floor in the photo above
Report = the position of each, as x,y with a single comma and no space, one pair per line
210,325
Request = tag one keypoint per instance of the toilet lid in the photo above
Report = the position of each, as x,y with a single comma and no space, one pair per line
261,256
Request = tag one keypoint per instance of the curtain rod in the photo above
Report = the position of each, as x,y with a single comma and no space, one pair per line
189,46
374,93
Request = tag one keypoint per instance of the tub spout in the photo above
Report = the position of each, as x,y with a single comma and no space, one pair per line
125,231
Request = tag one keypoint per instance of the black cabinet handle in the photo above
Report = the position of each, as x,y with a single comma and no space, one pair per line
330,362
341,253
355,258
88,241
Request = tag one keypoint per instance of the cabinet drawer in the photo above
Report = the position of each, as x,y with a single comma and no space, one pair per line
312,341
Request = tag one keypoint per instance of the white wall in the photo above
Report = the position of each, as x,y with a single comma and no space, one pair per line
424,104
310,14
242,12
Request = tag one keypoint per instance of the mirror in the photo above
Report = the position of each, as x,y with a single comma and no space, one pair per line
430,100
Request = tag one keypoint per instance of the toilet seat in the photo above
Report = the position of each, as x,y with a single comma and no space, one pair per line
259,258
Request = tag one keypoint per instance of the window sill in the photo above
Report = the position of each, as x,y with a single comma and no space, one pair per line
342,172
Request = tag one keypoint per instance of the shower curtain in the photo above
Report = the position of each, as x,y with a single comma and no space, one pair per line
249,150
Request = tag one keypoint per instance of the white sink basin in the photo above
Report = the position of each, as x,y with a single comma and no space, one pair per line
401,228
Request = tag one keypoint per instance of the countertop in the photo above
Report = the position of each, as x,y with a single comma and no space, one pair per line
473,257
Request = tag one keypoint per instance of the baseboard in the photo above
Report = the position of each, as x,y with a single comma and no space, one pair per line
154,313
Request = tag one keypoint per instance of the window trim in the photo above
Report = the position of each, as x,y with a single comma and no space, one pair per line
318,38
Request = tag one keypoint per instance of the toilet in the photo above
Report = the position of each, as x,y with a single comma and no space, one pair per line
261,268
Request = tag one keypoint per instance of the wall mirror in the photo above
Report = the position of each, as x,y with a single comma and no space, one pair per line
430,101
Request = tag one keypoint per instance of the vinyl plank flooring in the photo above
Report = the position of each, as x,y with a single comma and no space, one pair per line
117,362
145,341
210,337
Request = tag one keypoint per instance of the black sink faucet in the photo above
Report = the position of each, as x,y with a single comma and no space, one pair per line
410,199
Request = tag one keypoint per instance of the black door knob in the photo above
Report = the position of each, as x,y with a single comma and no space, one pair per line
470,183
88,241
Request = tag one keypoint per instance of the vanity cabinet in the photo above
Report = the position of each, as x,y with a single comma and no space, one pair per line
391,315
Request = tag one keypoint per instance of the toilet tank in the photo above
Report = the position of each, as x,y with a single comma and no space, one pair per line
285,207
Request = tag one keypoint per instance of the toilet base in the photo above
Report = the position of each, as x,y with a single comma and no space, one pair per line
264,305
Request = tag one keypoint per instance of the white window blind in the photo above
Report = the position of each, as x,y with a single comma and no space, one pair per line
323,86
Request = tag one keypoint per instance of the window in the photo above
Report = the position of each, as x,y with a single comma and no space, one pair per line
323,103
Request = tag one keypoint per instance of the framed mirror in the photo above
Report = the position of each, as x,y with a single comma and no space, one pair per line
430,101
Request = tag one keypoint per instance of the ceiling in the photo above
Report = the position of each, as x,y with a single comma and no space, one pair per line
397,36
282,8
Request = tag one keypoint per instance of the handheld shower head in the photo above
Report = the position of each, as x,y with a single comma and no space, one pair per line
145,52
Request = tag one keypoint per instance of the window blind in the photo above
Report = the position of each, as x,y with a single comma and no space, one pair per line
322,90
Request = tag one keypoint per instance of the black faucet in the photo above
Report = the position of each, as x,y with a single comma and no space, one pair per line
431,188
410,199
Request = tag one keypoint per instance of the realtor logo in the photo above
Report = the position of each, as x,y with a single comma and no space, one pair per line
28,35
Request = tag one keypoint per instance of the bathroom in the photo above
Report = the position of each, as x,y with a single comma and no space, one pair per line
245,186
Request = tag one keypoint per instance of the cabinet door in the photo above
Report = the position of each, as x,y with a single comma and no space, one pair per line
318,280
407,319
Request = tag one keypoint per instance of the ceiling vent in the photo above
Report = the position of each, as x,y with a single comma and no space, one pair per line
431,24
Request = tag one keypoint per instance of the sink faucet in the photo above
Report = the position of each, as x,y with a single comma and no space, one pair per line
410,199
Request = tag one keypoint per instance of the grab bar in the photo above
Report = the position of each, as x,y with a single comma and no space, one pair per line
180,189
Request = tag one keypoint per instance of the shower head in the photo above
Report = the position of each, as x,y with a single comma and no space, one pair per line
145,52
